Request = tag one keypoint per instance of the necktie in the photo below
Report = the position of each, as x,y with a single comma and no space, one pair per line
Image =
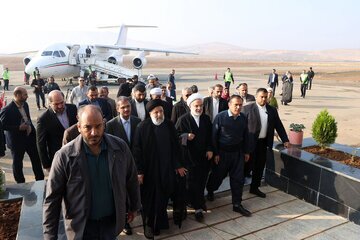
127,129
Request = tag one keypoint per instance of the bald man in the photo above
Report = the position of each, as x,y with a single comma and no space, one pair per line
51,126
93,175
20,135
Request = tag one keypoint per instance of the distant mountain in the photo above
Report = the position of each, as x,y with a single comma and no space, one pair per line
217,50
228,51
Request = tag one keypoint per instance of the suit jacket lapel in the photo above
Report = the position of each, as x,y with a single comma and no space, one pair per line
55,119
119,128
133,128
257,114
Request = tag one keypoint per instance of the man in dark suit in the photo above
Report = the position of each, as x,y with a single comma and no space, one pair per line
20,135
138,102
104,93
181,107
117,125
93,98
194,128
51,126
123,126
262,120
243,92
273,80
215,104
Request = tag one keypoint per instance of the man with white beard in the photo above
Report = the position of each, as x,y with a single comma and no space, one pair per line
157,155
195,131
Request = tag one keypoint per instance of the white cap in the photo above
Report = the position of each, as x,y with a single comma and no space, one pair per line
269,89
193,97
156,91
151,76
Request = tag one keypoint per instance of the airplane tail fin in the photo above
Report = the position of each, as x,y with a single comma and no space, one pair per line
122,37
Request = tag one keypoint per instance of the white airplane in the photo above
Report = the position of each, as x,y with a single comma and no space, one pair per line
63,60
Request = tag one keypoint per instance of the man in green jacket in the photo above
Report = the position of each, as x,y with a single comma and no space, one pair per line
6,77
228,78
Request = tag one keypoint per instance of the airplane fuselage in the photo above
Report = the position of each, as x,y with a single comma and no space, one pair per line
54,60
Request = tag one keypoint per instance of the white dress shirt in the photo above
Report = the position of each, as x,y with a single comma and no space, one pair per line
263,119
140,109
215,107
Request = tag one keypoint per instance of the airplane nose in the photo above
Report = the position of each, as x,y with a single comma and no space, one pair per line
29,69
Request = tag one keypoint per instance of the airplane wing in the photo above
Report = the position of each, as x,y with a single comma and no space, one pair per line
127,48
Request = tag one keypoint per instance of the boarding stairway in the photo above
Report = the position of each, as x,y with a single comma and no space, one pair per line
90,61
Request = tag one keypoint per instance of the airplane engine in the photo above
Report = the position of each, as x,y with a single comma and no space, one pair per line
26,60
139,62
115,59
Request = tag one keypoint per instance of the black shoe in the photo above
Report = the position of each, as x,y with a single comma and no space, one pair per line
204,207
243,211
210,196
257,192
199,216
127,229
148,232
156,232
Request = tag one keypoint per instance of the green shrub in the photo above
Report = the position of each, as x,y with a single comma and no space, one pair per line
324,129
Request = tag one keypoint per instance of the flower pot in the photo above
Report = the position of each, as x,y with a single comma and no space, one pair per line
296,138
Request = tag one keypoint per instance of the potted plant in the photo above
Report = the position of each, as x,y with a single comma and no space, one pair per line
296,134
324,129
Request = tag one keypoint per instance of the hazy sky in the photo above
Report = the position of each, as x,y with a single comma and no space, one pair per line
258,24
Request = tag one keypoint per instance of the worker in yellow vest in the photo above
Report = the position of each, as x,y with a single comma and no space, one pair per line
228,78
6,77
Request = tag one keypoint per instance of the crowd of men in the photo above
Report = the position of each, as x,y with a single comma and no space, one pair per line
108,159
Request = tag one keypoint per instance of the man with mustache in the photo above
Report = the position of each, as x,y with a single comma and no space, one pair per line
92,176
157,154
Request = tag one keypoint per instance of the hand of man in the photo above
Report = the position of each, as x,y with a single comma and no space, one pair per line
191,136
141,178
247,157
131,216
216,159
287,144
209,155
181,171
23,127
47,170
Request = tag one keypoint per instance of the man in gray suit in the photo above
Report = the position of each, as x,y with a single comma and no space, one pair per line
262,120
123,126
243,93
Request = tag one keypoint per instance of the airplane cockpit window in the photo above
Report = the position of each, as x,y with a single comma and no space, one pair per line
46,53
56,54
62,54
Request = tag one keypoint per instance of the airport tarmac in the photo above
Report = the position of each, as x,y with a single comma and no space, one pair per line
340,98
279,216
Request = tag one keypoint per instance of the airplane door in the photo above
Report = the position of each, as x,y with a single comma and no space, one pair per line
73,55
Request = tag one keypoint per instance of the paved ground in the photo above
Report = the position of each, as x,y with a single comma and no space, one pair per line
278,216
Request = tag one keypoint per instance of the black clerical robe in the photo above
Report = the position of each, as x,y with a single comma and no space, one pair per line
157,154
194,153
